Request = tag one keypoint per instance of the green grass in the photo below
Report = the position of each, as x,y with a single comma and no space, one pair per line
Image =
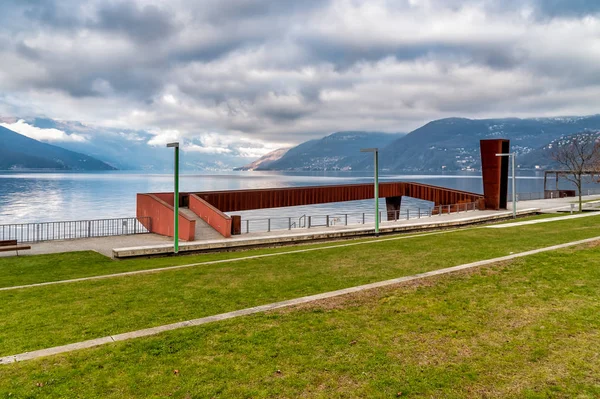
525,329
41,317
531,218
25,270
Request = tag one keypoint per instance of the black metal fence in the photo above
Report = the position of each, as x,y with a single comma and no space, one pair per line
46,231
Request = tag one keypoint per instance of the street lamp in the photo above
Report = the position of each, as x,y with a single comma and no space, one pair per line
375,151
176,198
512,155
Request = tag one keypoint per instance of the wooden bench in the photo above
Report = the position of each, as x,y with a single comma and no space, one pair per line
12,245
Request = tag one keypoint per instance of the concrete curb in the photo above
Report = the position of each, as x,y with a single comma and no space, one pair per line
287,238
276,305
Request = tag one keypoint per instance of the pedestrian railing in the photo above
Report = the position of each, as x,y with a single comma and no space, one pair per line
346,219
47,231
537,195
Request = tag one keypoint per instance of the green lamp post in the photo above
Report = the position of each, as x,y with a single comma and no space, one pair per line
176,198
375,152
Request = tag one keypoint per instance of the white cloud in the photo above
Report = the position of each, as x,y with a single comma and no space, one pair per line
207,150
162,138
242,75
36,133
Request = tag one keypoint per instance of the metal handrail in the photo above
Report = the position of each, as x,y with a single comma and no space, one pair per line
302,221
535,195
66,230
328,220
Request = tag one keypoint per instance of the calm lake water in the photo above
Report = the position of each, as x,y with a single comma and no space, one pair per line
38,197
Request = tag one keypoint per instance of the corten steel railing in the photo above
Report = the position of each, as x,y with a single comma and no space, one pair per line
47,231
345,219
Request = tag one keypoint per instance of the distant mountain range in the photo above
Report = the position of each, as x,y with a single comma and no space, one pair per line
265,161
542,157
450,144
453,144
443,145
18,152
338,151
127,149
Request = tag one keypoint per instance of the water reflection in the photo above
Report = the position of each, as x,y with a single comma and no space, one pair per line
34,197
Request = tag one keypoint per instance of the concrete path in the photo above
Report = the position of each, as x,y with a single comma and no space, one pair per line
162,245
296,236
552,205
276,305
548,220
105,245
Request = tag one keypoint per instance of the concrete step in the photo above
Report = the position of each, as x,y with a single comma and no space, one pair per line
203,230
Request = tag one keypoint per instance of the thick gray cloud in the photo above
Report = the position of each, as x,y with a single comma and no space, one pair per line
272,72
142,23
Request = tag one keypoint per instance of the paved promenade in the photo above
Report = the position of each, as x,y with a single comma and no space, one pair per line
143,244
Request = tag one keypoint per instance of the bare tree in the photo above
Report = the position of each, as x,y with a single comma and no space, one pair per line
579,156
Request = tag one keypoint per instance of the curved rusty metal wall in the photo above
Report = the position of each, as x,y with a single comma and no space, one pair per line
243,200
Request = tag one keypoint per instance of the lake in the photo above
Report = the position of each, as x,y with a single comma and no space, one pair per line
41,197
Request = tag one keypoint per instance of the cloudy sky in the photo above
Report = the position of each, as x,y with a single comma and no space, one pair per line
277,72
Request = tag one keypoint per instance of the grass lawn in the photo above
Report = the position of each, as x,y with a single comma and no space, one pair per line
42,317
41,268
529,328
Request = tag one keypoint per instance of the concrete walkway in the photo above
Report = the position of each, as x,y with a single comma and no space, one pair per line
548,220
155,244
552,205
282,237
276,305
103,245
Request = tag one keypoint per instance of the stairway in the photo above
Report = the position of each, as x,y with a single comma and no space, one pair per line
203,230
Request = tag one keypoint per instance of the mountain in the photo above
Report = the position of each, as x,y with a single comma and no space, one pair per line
128,149
338,151
125,149
266,160
20,152
453,144
541,158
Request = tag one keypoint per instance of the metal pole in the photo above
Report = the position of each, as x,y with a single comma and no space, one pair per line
176,198
376,192
514,186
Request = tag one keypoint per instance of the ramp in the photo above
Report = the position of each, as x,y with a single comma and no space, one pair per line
203,230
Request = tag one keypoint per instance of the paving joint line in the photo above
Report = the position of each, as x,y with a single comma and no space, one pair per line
272,306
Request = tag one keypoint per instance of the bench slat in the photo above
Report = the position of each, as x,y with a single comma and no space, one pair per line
14,248
8,242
